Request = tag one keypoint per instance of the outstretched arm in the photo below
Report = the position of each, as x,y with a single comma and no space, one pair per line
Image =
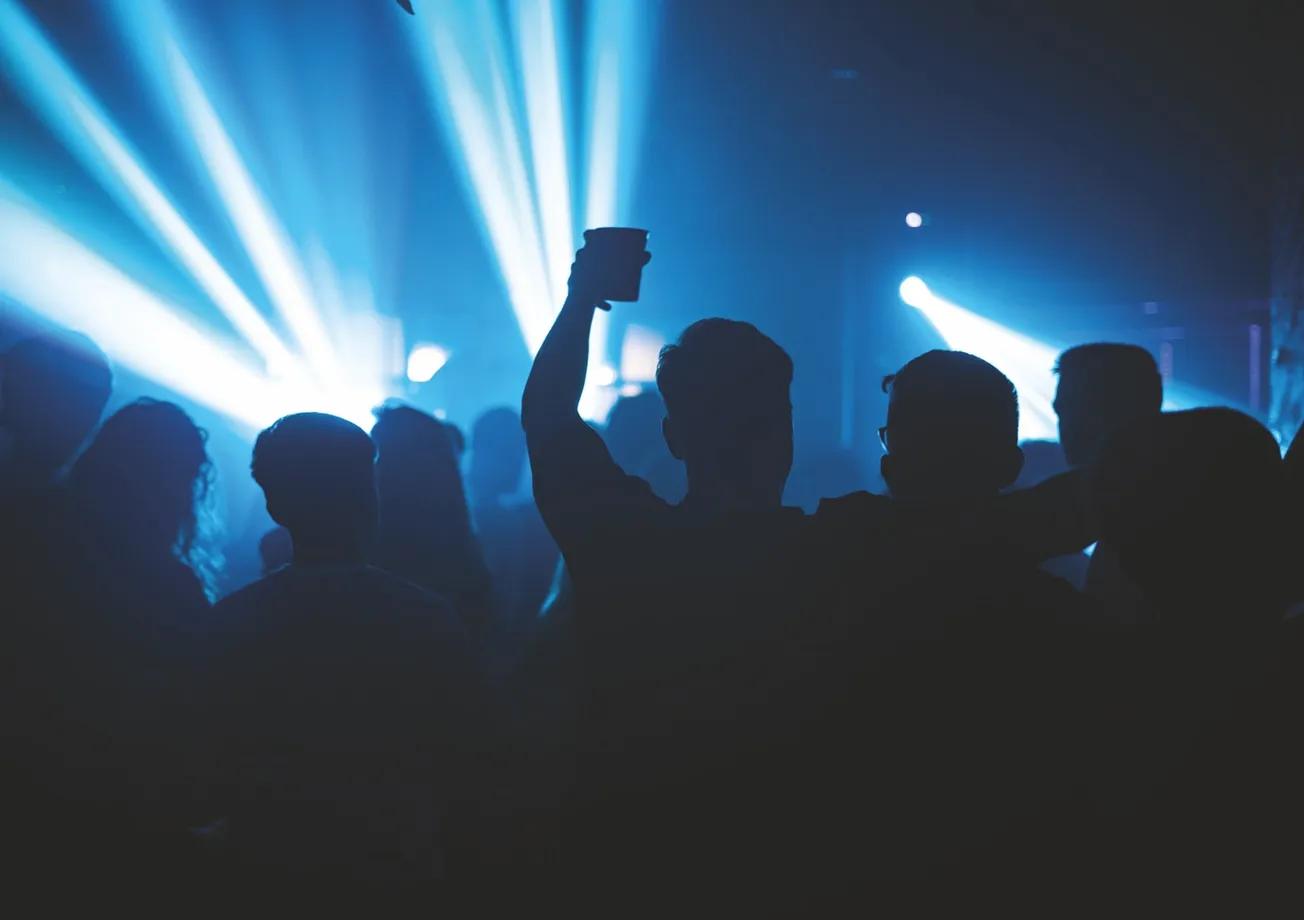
572,468
552,392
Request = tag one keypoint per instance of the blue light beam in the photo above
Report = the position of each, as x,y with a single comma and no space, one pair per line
56,94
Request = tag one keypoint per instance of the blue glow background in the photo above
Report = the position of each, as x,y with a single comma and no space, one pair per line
1073,164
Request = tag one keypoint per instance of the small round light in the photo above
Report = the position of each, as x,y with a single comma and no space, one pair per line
914,220
605,376
914,292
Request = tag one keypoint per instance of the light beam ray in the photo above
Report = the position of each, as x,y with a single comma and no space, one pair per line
55,276
56,94
265,241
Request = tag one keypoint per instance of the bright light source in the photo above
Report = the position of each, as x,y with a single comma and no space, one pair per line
915,293
1028,362
914,219
425,361
605,376
631,389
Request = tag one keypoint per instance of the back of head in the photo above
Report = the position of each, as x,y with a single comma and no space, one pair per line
1102,386
147,468
497,454
417,472
52,392
726,387
952,428
1185,501
634,431
318,475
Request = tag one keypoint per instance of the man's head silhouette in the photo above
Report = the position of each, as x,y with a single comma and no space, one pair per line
1189,503
318,473
53,390
952,428
1101,387
726,387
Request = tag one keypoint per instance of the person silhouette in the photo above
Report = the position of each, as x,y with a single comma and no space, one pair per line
679,607
952,428
1102,386
106,650
1187,501
53,389
425,533
347,706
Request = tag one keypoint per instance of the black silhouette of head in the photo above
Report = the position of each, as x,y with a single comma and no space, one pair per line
1188,501
53,390
318,474
1101,387
952,428
726,387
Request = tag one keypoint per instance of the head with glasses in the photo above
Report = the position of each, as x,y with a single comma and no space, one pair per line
952,428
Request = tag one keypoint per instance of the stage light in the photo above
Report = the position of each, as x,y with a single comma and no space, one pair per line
914,220
914,292
425,361
1028,363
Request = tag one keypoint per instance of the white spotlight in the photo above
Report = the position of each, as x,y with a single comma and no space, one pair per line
425,361
914,219
605,376
914,292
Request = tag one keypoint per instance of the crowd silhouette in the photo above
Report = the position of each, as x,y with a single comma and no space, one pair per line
615,672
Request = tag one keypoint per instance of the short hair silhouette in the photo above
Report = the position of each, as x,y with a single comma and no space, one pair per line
318,474
1103,385
1187,500
498,454
952,427
53,390
726,387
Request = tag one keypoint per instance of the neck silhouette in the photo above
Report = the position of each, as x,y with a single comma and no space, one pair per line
725,494
328,552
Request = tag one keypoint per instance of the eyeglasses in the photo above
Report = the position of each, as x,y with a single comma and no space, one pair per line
882,437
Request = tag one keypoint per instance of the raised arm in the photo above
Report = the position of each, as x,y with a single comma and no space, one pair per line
552,392
570,464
